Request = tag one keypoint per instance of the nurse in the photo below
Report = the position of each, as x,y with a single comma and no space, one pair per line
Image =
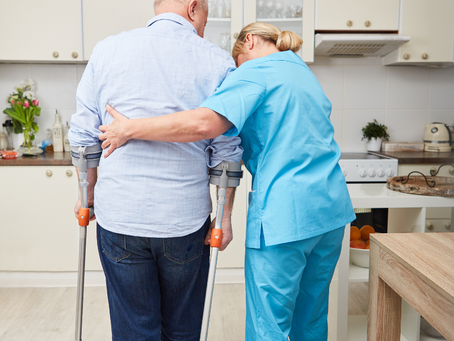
299,203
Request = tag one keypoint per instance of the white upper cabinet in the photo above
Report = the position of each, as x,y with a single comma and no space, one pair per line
290,15
103,18
430,24
357,15
33,30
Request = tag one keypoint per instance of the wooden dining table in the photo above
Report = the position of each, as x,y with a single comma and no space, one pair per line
416,267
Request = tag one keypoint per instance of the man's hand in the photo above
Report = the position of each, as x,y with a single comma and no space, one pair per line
227,234
114,134
76,210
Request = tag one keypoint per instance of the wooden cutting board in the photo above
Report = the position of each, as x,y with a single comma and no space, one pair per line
444,186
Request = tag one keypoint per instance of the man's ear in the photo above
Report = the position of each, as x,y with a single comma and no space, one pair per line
192,8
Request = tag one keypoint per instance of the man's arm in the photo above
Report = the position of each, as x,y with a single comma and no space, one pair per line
92,177
227,231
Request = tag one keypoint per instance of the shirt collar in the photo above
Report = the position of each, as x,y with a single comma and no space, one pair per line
172,17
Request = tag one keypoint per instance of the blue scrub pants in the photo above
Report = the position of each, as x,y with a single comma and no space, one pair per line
287,288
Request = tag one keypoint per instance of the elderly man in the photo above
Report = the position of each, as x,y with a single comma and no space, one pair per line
152,200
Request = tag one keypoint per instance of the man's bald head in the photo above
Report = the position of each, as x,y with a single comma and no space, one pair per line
194,11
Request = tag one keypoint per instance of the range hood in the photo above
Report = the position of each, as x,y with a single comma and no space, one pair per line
357,45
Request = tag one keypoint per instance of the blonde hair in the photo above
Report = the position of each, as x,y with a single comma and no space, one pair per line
284,40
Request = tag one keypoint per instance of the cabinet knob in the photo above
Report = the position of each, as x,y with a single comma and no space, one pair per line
425,56
349,23
49,173
447,226
69,172
74,55
236,35
433,171
367,23
451,170
406,56
55,54
430,226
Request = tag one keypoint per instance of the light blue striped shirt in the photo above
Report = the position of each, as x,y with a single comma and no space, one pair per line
146,188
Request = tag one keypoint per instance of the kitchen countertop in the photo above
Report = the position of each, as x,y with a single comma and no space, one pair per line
420,157
46,159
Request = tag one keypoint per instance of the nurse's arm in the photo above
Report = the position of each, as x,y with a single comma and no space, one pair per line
184,126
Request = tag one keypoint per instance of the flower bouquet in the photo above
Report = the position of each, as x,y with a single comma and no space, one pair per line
24,108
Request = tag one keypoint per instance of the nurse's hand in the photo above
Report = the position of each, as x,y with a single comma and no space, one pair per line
227,234
114,134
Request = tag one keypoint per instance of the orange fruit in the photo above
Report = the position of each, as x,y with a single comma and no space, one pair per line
366,230
368,247
357,244
367,243
355,233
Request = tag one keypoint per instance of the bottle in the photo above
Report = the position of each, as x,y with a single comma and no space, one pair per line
57,134
66,145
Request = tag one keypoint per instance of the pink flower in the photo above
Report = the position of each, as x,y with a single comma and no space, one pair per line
26,104
19,103
35,102
12,101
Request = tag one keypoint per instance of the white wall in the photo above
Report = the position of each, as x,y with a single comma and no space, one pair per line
360,89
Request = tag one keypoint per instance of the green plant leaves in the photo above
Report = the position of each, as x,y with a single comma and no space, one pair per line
375,130
15,115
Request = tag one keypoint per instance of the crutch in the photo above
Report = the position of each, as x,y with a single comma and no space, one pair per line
226,174
83,158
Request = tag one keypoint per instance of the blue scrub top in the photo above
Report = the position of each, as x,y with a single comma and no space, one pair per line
281,113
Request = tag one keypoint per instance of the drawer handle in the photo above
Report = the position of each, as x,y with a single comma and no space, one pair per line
367,23
55,54
69,172
74,55
236,35
349,23
425,56
430,226
49,173
406,56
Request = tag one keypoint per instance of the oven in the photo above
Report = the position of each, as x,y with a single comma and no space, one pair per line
369,168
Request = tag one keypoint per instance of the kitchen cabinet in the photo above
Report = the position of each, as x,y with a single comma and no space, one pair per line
103,18
357,15
39,231
430,24
291,15
41,30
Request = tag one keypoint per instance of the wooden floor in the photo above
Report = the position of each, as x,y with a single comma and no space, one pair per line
31,314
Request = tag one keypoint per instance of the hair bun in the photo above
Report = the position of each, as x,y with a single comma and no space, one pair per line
288,40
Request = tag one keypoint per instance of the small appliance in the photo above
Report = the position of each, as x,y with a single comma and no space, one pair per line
437,138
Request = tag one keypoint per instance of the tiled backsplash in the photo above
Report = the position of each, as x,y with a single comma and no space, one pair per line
360,89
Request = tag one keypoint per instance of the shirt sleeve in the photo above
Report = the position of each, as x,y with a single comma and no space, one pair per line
86,121
238,97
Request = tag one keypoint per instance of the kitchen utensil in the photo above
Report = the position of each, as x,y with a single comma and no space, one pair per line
437,138
8,128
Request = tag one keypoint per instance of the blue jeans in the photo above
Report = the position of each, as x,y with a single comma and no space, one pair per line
155,286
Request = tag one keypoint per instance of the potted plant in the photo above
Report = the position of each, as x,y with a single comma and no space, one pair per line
375,133
23,108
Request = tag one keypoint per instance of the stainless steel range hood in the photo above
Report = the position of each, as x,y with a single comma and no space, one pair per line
357,45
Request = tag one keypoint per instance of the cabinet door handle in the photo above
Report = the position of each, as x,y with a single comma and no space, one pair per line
69,173
406,56
49,173
367,23
236,35
425,56
349,23
74,55
451,170
55,54
429,226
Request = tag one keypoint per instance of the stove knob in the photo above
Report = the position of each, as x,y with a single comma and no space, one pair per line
344,172
389,173
371,173
381,173
363,173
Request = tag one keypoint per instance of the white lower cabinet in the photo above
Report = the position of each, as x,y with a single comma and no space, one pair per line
38,229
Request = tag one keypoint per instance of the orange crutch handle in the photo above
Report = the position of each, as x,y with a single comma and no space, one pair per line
84,216
216,238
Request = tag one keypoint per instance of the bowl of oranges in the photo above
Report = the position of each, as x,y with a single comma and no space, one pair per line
360,245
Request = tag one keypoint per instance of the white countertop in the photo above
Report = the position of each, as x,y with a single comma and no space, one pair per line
378,196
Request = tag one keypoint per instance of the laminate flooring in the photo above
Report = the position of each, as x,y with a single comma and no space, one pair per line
47,314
